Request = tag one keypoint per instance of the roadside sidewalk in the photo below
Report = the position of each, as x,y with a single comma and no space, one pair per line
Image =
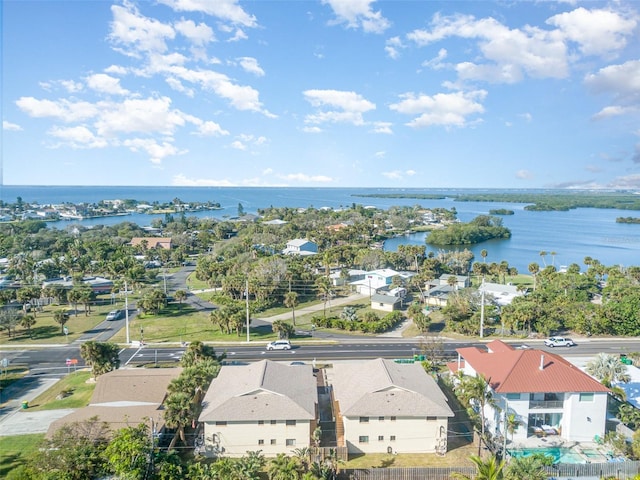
313,308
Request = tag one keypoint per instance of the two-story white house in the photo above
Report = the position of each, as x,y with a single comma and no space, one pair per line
265,406
384,406
300,246
547,394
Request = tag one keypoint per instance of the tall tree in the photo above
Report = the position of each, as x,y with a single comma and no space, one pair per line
178,413
608,369
476,391
130,452
291,301
61,317
101,357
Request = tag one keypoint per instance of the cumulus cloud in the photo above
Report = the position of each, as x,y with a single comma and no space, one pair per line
445,109
507,55
358,14
78,137
211,129
103,83
382,127
12,127
157,151
226,10
350,107
64,110
133,34
199,34
622,80
250,65
393,46
181,180
597,31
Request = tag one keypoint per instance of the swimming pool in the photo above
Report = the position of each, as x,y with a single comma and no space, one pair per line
559,454
593,455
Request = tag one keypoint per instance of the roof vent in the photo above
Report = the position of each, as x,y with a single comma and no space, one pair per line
541,362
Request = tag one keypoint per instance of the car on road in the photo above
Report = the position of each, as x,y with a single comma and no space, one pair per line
559,342
115,315
279,345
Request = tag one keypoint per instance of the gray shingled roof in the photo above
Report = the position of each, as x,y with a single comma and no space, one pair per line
263,390
382,387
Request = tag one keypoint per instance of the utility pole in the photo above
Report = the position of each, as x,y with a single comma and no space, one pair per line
504,433
482,310
246,294
126,310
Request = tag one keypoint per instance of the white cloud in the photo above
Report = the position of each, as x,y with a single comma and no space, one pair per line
447,109
178,86
238,145
156,151
181,180
380,154
358,14
524,175
133,33
104,83
304,178
313,129
622,80
116,70
526,116
211,129
436,62
150,115
382,127
227,10
398,174
12,127
250,65
597,32
64,110
78,137
613,111
200,34
350,104
393,46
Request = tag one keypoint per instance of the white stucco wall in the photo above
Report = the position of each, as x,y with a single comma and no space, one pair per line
412,435
236,438
584,420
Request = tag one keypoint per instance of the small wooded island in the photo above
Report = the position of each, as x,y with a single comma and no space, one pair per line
500,211
480,229
627,220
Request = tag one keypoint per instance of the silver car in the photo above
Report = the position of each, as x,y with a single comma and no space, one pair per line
279,345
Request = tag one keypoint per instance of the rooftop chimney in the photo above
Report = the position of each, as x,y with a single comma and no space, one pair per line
541,362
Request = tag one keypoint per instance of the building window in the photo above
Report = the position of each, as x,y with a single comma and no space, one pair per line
381,419
260,422
392,438
363,439
291,423
381,438
513,396
273,422
290,442
273,441
586,397
221,424
431,419
260,442
364,419
393,419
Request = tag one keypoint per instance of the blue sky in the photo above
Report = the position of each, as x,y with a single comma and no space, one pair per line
327,93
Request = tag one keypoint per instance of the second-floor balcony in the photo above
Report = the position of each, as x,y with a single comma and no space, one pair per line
545,404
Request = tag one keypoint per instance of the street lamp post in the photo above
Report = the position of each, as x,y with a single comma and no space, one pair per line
126,310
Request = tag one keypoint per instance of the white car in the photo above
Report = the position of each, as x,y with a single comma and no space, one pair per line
279,345
559,342
115,315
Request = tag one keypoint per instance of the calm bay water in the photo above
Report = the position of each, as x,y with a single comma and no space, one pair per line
573,235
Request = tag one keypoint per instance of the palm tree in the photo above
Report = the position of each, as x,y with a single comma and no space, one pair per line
530,468
534,269
28,321
476,390
284,468
483,254
489,469
608,369
178,413
291,301
324,291
61,317
543,254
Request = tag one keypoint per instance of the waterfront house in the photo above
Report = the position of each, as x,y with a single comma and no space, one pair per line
462,281
265,406
547,394
375,280
300,246
386,407
438,295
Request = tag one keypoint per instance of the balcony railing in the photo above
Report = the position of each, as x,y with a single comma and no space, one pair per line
545,404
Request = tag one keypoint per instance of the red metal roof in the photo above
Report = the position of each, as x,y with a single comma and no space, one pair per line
516,371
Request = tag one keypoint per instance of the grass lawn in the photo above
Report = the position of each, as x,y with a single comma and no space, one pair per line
77,393
457,457
15,450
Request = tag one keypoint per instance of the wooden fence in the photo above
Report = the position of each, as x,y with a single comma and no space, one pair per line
618,470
